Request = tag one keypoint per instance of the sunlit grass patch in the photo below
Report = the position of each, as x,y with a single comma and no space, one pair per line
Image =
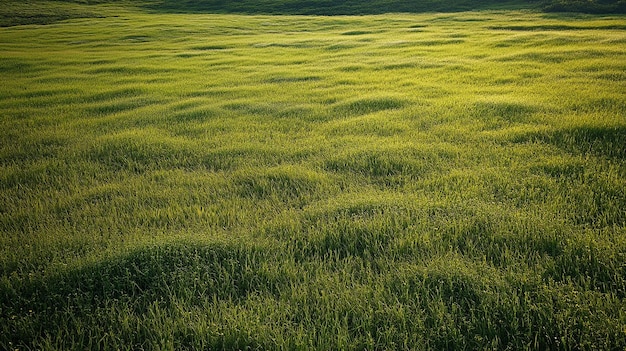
367,105
382,125
497,114
384,164
283,183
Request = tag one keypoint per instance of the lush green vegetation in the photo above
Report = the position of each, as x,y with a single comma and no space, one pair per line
203,181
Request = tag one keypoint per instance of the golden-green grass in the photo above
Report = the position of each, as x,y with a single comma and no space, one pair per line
201,181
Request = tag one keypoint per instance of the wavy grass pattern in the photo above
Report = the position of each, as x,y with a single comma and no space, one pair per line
178,180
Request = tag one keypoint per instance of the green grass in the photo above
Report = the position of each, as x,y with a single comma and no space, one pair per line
401,181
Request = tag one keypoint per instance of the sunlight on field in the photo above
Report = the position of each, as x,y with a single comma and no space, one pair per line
427,181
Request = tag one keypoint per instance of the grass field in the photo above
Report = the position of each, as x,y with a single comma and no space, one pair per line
402,181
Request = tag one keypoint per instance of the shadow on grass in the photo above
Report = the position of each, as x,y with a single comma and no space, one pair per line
324,7
41,12
47,12
133,285
609,142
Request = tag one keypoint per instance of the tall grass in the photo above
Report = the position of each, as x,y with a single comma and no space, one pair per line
196,181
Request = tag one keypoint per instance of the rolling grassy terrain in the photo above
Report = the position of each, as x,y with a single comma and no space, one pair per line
223,181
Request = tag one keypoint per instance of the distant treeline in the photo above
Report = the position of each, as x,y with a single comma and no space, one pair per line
342,7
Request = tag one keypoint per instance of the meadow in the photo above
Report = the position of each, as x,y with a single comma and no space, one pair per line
436,181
